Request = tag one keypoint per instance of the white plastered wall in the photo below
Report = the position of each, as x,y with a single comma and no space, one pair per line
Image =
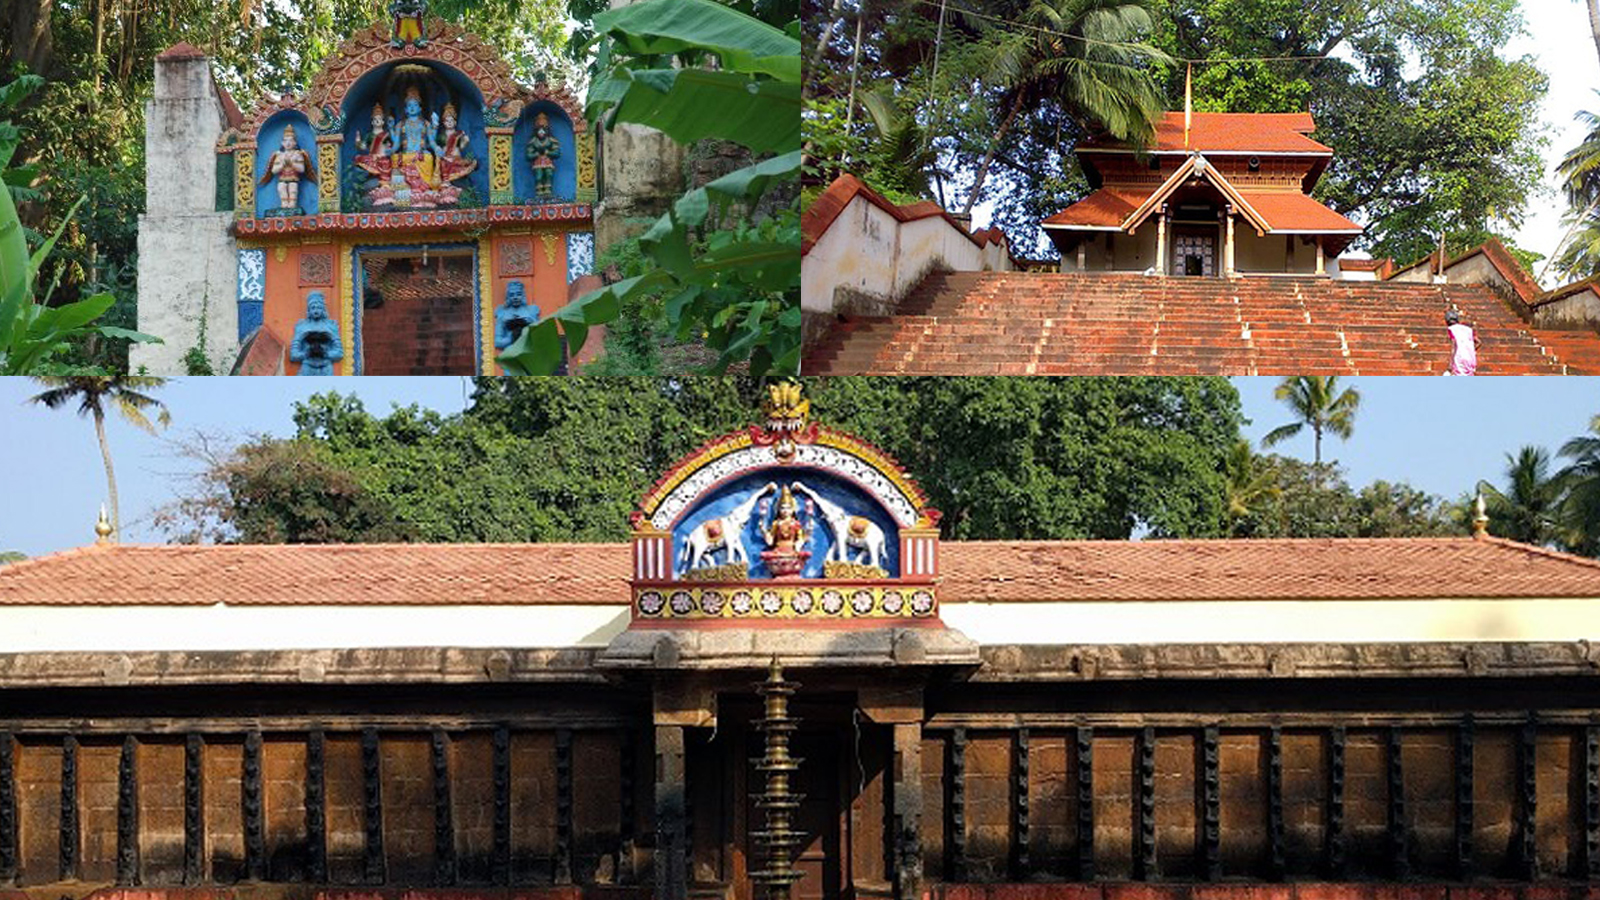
188,264
868,252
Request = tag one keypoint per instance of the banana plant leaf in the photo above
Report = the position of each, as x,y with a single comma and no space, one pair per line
692,104
743,43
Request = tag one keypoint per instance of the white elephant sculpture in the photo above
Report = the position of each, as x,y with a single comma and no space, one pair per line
851,533
723,532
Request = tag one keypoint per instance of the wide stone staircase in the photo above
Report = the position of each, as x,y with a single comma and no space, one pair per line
1027,323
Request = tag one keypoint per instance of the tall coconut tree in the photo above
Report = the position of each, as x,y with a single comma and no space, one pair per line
1316,402
1578,254
1579,515
1526,510
94,395
1088,56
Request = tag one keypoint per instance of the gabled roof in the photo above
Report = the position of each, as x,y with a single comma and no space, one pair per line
972,571
820,215
1293,212
1268,133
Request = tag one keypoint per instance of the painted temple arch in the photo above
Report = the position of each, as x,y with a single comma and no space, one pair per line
436,203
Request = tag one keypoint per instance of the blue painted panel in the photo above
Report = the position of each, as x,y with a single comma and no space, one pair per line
268,141
566,166
820,541
449,86
252,290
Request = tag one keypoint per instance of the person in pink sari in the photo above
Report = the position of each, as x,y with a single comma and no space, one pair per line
1463,345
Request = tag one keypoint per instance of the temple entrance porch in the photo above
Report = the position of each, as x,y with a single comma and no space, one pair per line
419,310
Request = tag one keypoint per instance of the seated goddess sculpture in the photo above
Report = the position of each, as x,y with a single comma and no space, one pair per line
513,316
376,160
453,163
414,180
316,346
289,164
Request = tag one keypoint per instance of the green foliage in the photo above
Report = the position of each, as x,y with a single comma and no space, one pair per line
11,556
32,335
738,284
1003,457
1526,510
1311,500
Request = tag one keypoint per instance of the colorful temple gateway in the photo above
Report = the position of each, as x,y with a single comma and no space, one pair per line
1215,194
410,213
787,685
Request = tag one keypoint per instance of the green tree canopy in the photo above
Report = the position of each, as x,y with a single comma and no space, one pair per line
567,459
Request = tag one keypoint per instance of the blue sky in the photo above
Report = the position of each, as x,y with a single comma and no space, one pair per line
1440,434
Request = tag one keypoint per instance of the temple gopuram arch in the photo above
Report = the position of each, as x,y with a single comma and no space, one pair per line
408,214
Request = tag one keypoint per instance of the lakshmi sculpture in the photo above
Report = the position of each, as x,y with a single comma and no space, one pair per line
513,316
453,163
544,148
376,160
786,537
316,346
289,164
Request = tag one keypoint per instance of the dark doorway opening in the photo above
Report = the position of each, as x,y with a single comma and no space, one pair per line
419,312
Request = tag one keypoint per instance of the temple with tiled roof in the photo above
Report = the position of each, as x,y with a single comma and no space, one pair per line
1213,194
787,685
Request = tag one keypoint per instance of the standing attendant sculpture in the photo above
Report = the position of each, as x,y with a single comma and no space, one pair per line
316,346
544,148
851,533
289,164
513,316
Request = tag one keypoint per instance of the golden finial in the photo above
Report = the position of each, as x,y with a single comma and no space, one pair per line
1480,517
102,528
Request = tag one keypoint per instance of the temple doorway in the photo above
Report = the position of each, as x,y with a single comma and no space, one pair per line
419,311
724,786
1194,254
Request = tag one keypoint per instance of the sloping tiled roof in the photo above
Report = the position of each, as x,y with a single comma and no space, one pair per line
822,212
990,571
182,50
1229,133
1292,211
1105,208
1333,568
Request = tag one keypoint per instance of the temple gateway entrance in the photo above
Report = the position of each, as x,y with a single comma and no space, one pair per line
419,311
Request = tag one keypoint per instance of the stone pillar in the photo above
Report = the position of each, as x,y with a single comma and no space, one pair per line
641,174
188,266
671,858
1161,241
1083,254
908,810
1227,256
1322,259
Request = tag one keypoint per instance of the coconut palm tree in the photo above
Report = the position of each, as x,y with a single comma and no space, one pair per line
1316,401
1249,484
93,394
1527,509
1089,57
1579,514
1578,254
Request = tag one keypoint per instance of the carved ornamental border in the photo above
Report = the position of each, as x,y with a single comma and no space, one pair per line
811,601
412,220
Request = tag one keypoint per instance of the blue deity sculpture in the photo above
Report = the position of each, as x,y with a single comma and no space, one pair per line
414,171
316,346
513,316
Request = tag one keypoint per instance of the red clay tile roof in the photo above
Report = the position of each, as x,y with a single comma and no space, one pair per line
1345,568
987,571
822,212
1353,264
1229,133
182,50
1291,211
230,109
1105,208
